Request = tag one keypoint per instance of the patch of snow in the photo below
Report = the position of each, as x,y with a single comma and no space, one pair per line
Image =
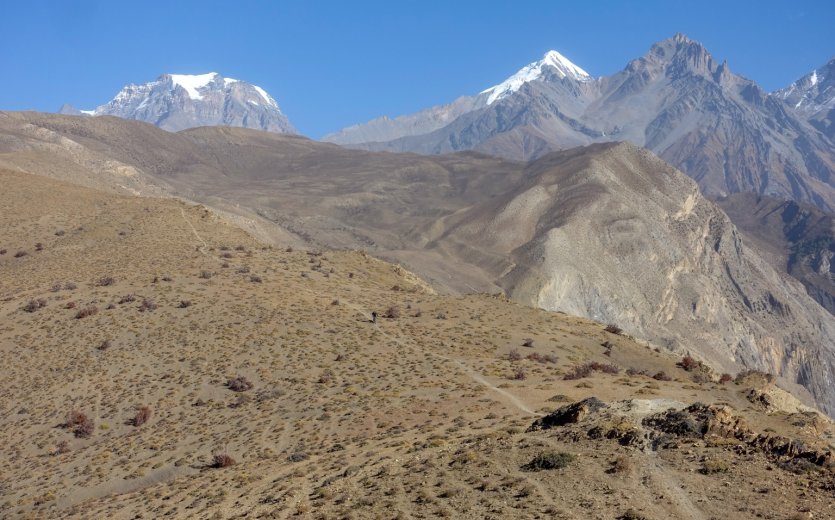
88,112
533,72
814,79
270,101
191,83
229,81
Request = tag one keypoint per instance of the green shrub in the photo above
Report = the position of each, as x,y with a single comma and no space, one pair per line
549,460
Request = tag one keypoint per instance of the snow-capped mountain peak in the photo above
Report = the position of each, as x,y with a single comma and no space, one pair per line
563,66
179,101
192,83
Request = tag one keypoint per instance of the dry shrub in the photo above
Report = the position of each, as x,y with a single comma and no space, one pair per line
540,358
184,304
142,416
222,460
392,312
20,254
528,343
90,310
614,329
205,275
586,370
81,425
128,298
256,279
239,384
520,375
35,305
106,344
621,465
662,376
514,355
105,281
726,378
689,364
148,305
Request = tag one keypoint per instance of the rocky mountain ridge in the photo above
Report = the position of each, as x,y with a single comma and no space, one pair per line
720,128
175,102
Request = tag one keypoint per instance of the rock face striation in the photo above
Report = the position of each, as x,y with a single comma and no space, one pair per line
797,238
720,128
175,102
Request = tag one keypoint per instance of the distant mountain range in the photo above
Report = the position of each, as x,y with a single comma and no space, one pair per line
176,101
718,127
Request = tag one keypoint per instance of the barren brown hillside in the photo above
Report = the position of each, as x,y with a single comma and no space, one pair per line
160,362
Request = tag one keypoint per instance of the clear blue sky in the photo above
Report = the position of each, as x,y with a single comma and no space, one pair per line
332,64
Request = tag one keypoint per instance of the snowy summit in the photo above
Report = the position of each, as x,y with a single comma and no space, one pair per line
563,66
178,101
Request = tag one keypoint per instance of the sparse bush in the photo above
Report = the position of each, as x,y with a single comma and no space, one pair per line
90,310
128,298
242,270
514,355
81,425
549,460
240,248
239,384
3,252
69,305
62,447
614,329
55,287
520,375
392,312
662,376
205,275
298,456
255,279
725,378
621,465
710,467
528,343
39,246
583,371
701,377
540,358
70,286
20,254
326,377
106,344
148,305
35,305
184,304
440,316
105,281
59,233
222,460
689,364
142,416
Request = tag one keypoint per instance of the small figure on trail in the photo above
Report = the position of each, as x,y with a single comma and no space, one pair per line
374,317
